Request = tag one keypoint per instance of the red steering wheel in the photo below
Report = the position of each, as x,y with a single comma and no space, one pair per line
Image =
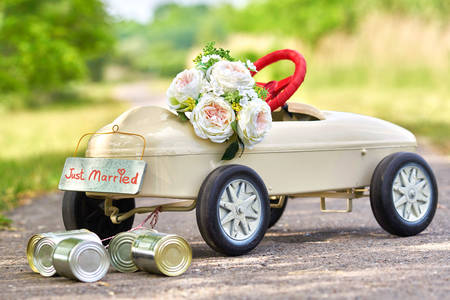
280,91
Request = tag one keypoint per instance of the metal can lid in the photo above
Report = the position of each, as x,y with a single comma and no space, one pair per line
30,250
173,255
120,250
42,256
87,260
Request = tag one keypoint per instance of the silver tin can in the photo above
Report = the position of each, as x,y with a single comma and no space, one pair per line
162,253
44,247
82,260
120,250
37,237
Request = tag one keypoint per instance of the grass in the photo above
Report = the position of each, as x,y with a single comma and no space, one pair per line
35,144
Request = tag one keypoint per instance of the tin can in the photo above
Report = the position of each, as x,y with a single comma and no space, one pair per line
46,244
120,250
82,260
162,253
37,237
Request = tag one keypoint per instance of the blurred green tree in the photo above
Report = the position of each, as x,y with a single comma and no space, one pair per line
310,20
307,19
161,47
45,44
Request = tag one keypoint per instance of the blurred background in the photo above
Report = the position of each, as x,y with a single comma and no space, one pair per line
68,67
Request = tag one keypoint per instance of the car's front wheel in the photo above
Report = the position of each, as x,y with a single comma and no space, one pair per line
403,194
233,209
79,211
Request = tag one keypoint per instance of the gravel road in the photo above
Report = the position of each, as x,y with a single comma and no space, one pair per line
308,254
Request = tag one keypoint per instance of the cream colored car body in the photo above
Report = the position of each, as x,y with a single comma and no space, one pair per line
296,157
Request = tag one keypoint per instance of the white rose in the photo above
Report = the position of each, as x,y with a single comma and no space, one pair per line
230,75
255,121
212,118
186,84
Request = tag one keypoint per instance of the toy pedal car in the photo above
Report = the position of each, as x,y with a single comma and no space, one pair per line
308,153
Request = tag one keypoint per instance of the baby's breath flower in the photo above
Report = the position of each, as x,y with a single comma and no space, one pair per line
207,58
251,66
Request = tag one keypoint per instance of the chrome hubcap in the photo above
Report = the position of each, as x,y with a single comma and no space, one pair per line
411,192
239,209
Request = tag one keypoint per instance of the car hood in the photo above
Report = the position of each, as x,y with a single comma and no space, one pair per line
165,134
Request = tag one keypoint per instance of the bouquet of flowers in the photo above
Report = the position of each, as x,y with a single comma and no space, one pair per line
221,100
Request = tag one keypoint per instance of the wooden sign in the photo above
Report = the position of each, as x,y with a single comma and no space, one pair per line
103,175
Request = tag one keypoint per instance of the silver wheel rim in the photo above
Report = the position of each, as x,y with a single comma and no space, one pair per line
411,192
239,209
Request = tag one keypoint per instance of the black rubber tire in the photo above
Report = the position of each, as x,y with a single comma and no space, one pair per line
276,213
207,210
381,199
80,211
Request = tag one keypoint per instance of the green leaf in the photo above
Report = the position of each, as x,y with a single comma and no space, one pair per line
232,97
234,126
182,116
231,151
241,143
261,91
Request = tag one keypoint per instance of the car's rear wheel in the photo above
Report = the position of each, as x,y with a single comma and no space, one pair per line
277,212
403,194
80,211
233,209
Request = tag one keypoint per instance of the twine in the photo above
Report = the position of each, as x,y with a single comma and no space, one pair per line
152,218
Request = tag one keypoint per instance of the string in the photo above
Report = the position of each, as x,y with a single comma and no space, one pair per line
152,218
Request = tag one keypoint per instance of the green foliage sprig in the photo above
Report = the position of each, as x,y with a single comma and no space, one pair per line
209,49
232,97
261,91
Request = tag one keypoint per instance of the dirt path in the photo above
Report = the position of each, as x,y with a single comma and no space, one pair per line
139,93
308,254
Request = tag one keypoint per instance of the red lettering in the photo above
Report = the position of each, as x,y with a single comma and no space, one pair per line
121,173
95,173
70,175
134,179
